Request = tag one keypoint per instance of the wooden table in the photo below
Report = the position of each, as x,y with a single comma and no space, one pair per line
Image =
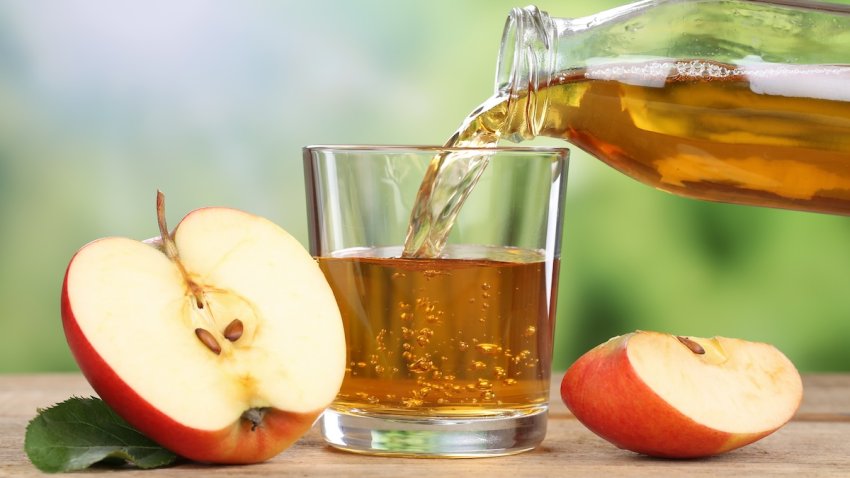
815,443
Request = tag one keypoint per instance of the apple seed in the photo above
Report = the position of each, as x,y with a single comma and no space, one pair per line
207,339
233,330
691,345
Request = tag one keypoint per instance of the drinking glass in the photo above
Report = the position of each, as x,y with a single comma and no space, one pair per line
448,354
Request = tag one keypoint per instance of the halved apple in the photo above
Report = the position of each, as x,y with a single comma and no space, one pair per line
222,341
682,397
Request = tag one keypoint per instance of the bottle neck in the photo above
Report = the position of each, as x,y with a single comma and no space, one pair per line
527,62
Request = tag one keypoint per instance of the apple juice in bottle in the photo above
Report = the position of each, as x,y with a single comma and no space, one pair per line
736,101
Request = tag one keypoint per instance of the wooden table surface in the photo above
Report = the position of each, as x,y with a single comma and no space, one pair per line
815,443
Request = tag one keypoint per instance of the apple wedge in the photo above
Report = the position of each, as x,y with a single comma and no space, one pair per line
222,341
682,397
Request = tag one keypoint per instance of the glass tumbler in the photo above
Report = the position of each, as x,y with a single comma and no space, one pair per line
449,353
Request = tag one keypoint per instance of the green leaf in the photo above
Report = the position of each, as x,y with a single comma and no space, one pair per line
80,432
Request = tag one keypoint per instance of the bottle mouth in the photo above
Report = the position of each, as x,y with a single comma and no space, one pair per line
506,63
526,65
526,50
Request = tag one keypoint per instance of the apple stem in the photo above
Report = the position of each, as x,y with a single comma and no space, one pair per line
691,345
170,248
167,241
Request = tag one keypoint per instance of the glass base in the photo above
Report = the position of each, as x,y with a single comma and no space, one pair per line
447,437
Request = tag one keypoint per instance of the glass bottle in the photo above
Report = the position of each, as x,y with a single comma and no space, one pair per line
736,101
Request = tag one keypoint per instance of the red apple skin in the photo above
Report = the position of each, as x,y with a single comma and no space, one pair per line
604,393
239,443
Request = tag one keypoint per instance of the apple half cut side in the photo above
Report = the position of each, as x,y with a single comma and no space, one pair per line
223,344
682,397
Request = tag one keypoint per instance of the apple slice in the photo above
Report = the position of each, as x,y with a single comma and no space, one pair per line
682,397
223,342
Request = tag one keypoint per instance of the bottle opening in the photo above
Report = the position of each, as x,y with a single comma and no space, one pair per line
506,65
526,62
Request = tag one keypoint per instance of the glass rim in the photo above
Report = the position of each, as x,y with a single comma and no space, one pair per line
561,150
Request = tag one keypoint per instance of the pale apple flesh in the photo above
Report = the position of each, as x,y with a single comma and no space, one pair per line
682,397
131,317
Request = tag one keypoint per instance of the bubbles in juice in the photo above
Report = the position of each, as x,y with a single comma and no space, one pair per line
470,334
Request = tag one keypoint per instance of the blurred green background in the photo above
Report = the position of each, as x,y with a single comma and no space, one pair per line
101,103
